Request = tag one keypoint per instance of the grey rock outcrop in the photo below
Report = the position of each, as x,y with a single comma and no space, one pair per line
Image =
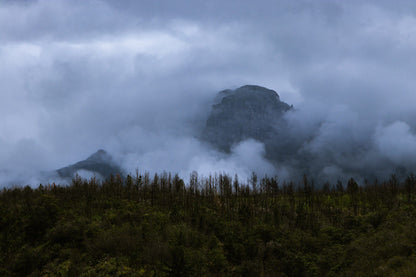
247,112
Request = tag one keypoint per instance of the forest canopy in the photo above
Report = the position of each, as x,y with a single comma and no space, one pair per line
214,226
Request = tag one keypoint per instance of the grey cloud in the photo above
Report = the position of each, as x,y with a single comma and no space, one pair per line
137,77
396,142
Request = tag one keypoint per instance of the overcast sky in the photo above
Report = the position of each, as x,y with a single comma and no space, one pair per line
136,78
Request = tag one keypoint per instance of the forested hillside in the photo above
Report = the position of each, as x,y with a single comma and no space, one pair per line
215,226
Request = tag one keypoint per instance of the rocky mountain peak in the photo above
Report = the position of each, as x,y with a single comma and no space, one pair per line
247,112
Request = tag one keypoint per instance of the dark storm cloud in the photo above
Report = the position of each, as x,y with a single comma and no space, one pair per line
137,77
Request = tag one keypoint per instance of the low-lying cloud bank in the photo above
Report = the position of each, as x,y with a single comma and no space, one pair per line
137,79
344,145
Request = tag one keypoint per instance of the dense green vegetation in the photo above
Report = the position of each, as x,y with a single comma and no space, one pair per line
214,226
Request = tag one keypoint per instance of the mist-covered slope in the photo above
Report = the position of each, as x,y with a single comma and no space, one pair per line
249,112
297,143
251,129
99,164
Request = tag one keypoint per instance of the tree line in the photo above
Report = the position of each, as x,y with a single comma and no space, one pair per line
160,225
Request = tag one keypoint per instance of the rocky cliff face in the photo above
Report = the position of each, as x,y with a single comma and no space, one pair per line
247,112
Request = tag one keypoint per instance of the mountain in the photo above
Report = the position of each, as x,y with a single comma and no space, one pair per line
247,112
99,164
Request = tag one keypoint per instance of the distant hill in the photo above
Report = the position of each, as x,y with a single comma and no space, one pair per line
99,164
